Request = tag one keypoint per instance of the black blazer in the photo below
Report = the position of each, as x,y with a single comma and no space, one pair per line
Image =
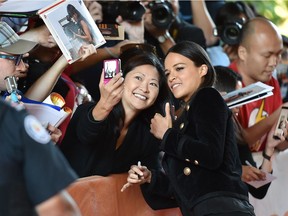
89,145
201,157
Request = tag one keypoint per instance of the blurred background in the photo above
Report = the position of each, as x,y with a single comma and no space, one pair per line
276,10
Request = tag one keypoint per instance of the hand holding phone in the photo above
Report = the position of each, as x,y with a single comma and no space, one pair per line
111,68
281,124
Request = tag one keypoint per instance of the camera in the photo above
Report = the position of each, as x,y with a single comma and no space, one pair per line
131,11
162,13
230,32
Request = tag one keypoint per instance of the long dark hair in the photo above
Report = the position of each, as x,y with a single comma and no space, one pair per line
198,55
144,58
71,10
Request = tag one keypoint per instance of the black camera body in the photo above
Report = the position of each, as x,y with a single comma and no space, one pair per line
162,13
230,32
131,11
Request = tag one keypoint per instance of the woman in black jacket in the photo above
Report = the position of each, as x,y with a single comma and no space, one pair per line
201,161
108,136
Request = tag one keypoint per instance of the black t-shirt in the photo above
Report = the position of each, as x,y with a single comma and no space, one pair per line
32,169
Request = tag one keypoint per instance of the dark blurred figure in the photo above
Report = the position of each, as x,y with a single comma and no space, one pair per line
34,174
229,20
212,6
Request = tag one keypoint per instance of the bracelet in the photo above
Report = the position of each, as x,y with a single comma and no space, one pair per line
267,157
110,53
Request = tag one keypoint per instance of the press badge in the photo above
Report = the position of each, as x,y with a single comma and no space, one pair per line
35,130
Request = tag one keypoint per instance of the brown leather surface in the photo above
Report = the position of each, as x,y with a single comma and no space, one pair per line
101,196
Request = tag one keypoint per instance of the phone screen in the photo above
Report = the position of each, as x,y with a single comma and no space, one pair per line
111,68
281,124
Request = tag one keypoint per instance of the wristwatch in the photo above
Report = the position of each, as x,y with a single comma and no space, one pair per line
163,38
267,157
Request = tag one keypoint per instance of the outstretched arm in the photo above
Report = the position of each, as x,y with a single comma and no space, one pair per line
254,133
203,20
102,53
111,94
40,35
44,85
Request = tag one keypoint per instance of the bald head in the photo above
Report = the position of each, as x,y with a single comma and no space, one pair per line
259,50
259,27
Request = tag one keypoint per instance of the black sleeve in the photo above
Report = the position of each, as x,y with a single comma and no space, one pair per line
158,194
46,172
259,193
210,126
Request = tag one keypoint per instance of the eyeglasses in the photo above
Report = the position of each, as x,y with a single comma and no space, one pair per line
17,58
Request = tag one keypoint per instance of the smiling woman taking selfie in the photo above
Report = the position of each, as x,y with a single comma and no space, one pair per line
108,136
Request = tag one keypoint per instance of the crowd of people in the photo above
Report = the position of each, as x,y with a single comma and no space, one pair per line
164,109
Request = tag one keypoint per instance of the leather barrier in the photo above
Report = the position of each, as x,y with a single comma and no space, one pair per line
101,196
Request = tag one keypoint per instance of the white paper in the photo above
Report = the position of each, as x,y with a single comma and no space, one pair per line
23,6
257,184
46,114
248,94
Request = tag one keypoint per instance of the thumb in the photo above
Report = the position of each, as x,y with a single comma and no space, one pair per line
101,82
167,111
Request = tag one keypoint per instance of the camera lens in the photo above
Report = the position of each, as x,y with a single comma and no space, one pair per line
231,33
162,14
129,11
132,11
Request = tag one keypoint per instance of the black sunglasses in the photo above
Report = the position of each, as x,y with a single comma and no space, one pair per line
17,58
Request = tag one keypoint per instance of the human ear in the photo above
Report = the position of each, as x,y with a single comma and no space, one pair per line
242,51
203,70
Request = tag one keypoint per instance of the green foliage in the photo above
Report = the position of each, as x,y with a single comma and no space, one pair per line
276,11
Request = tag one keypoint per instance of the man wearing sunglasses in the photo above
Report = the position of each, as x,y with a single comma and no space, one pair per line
12,49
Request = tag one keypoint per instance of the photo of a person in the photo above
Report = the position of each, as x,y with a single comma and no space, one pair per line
238,96
77,29
83,31
282,122
281,127
72,27
110,68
